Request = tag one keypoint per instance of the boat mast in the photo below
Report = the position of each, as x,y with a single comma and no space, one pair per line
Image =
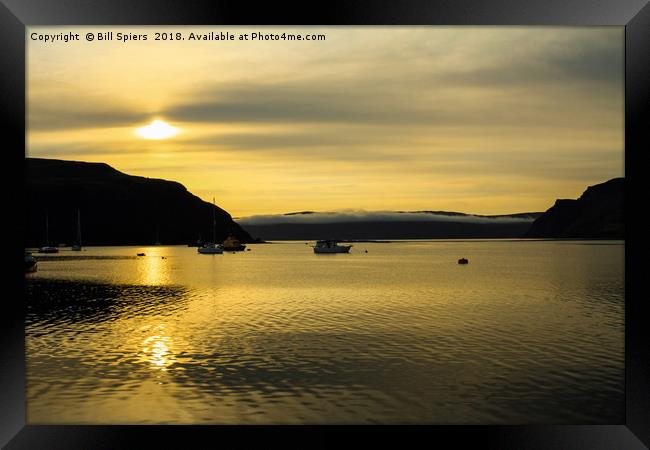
214,222
47,230
78,227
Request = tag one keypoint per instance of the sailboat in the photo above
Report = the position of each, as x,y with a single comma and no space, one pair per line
211,248
47,248
77,246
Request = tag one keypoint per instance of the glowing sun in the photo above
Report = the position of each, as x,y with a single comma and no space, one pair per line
157,130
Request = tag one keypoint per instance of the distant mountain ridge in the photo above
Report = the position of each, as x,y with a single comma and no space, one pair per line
598,214
116,208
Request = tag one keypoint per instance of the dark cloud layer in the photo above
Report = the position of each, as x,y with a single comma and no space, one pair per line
423,92
75,114
511,82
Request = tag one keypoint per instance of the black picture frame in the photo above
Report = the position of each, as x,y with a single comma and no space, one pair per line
634,15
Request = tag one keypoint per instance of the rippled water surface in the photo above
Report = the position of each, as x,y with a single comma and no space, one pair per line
527,332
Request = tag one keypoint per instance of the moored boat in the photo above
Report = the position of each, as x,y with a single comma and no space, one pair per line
232,244
47,248
30,263
331,246
210,248
77,246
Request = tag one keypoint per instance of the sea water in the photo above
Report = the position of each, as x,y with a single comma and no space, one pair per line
527,332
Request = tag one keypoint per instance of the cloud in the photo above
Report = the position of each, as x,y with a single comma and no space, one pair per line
420,77
483,78
542,60
477,119
374,216
313,137
314,101
325,143
69,113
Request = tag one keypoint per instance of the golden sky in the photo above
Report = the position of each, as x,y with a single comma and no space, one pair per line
483,120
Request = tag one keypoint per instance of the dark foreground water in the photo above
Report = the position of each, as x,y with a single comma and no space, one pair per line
528,332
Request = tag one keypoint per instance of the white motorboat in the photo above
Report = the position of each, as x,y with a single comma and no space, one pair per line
330,246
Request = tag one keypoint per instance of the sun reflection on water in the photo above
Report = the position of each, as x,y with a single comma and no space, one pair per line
153,268
157,349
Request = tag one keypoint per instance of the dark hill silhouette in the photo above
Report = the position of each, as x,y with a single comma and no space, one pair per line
598,213
116,208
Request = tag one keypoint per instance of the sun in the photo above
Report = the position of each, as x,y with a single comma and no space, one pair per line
157,129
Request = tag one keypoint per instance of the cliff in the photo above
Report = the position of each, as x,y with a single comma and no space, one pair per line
116,208
598,214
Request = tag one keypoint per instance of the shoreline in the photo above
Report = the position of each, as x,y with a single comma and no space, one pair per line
361,241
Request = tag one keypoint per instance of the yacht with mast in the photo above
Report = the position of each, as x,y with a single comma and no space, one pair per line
47,248
210,248
77,245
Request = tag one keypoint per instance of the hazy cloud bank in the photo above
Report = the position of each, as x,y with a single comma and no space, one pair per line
374,216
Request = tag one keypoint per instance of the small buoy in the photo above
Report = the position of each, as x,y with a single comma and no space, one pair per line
366,251
463,261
